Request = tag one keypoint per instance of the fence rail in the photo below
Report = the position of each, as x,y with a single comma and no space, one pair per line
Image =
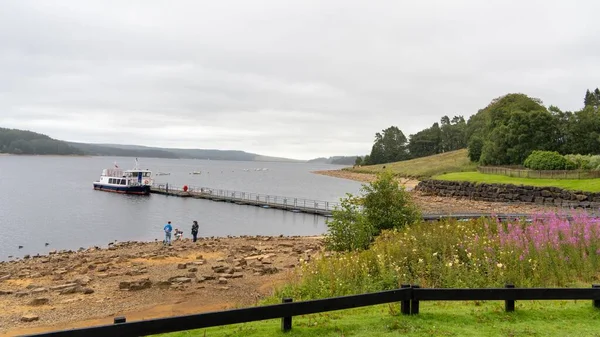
548,174
408,296
249,198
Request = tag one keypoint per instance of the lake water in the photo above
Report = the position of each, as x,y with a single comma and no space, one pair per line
52,200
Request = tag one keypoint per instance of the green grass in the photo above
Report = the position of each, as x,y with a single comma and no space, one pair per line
531,318
590,185
454,161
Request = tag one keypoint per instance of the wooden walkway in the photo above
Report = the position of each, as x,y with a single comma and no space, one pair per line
298,205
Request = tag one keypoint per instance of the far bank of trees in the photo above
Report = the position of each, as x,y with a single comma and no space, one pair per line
27,142
505,132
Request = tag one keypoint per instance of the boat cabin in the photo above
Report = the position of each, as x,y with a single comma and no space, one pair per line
126,177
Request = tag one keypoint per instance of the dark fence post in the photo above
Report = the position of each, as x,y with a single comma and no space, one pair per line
286,322
120,319
596,302
405,304
509,305
414,304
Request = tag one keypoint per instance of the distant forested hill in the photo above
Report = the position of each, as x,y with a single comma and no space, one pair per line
26,142
336,160
155,152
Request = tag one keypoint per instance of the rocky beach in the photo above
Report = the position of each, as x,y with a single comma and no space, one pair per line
141,280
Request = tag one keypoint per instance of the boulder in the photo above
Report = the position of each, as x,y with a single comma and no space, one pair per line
63,286
222,280
83,280
219,269
163,284
30,318
181,265
39,301
182,280
69,291
140,284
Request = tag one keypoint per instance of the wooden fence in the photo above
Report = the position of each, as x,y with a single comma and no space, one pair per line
547,174
408,296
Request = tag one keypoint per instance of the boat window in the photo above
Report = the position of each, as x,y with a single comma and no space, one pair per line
147,174
123,181
110,180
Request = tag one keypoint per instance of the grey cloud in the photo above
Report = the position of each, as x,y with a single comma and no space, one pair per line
290,78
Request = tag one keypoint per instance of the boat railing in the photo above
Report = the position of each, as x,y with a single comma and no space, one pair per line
250,197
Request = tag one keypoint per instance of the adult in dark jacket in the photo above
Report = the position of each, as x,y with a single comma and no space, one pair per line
195,230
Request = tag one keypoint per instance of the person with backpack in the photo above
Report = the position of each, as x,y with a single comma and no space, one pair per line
168,229
195,230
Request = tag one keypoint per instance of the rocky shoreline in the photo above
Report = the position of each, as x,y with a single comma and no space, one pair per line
142,280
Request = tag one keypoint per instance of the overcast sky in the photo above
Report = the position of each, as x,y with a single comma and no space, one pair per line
297,79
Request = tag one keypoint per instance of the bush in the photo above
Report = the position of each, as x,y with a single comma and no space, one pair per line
385,205
348,228
582,162
548,160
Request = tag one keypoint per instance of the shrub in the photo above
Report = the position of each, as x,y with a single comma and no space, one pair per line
387,205
580,162
348,228
584,162
548,160
384,205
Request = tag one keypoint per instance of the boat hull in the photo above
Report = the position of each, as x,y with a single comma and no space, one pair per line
140,190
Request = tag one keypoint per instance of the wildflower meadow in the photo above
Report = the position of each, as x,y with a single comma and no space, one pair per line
549,250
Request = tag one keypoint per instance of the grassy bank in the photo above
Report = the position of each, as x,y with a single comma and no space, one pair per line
550,251
531,318
455,161
590,185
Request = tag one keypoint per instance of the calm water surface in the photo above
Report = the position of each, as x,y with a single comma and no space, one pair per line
51,200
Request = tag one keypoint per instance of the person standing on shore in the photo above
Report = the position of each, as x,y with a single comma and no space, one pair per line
195,230
168,229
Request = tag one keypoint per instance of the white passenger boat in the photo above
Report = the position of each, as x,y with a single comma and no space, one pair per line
134,181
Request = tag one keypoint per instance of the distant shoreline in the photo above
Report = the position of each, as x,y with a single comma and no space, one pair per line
45,155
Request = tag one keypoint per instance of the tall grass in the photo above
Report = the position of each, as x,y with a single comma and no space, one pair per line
549,251
425,167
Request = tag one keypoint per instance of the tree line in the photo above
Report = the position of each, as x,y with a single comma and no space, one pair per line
505,132
27,142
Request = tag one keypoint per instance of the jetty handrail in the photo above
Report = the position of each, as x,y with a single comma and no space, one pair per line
268,199
408,296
